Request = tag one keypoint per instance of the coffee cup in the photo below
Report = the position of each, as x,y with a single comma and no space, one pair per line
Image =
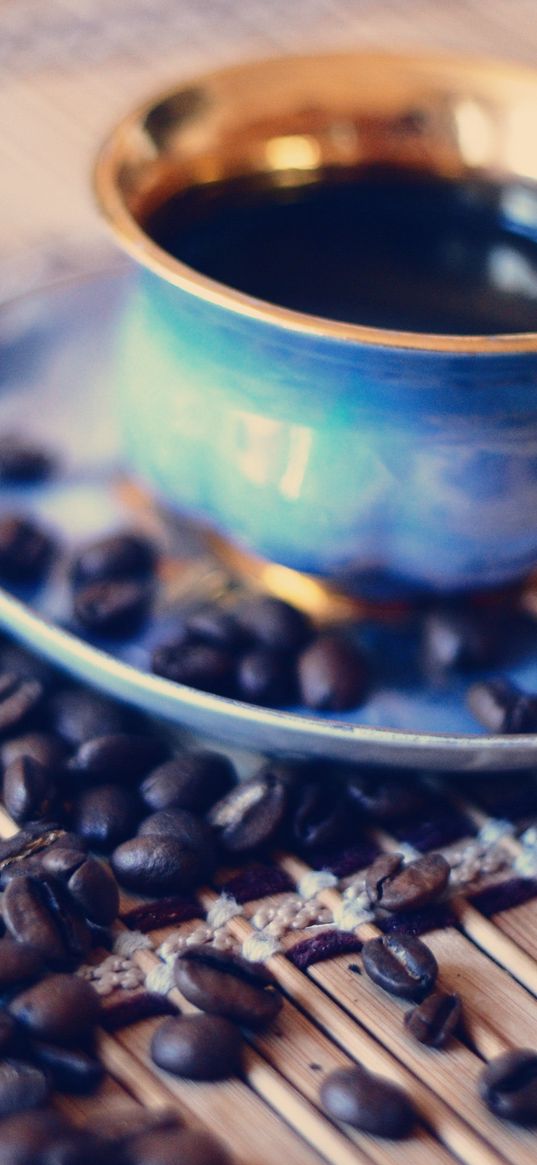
364,455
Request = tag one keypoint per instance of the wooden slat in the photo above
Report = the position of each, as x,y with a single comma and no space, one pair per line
290,1064
300,1041
228,1108
494,1003
325,1013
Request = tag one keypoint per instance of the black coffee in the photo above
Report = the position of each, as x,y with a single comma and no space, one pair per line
389,250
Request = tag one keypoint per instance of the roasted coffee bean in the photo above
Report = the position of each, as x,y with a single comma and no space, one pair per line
70,1069
187,829
22,1086
453,638
400,964
115,607
198,665
157,864
320,815
251,814
384,867
8,1033
332,674
31,865
19,963
225,984
34,838
43,747
434,1020
367,1102
179,823
502,707
61,1009
67,840
94,889
508,1086
30,860
211,624
26,1137
265,677
118,556
78,715
123,756
383,797
22,461
25,550
106,815
90,883
40,911
396,887
274,624
18,700
193,780
171,1146
191,831
201,1047
29,790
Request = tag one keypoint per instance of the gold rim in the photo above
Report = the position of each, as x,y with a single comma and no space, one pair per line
134,240
325,603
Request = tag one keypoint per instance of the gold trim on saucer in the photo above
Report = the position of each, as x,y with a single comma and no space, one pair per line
324,603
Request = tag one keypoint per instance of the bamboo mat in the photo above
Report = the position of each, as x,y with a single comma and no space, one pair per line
309,932
68,69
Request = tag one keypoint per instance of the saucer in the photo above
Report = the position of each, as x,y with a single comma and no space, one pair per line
57,347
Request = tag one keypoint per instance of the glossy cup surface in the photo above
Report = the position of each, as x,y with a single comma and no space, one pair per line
382,462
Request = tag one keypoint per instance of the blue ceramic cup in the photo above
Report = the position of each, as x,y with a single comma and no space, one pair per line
382,463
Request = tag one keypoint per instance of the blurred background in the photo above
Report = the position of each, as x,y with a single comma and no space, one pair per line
70,68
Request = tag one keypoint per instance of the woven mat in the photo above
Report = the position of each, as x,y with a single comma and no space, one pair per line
67,70
307,919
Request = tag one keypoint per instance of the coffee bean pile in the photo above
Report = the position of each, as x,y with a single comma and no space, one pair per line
82,774
265,652
258,649
125,1136
48,1016
56,905
76,769
100,801
113,582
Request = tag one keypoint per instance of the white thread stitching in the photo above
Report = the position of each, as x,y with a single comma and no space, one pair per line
315,881
221,911
493,831
349,915
259,947
130,941
159,980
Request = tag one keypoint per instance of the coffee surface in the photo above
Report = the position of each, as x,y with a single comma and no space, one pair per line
389,250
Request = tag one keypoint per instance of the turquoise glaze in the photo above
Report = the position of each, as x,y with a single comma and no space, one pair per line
58,370
384,470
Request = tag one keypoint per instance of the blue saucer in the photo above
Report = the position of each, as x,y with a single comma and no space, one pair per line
57,385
